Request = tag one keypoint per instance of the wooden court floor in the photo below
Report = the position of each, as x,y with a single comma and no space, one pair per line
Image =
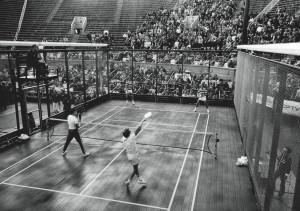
179,174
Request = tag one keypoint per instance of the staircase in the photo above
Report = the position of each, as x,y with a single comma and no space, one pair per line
267,9
54,11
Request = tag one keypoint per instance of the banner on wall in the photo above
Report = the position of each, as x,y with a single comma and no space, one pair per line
185,76
78,24
191,21
289,107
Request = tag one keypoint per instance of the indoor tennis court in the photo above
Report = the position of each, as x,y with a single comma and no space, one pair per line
177,148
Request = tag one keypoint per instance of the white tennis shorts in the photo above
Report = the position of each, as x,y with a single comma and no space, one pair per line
129,91
134,159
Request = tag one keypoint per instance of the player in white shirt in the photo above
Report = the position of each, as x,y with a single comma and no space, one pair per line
132,152
128,91
202,97
73,132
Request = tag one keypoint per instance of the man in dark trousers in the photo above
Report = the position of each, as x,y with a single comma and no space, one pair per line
34,60
73,132
283,169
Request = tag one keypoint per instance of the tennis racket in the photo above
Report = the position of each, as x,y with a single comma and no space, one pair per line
147,115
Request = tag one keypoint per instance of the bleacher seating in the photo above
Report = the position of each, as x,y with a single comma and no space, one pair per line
34,26
10,11
257,5
124,17
291,6
52,19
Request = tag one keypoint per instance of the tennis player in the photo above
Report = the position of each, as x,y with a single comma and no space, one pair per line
132,152
73,132
129,91
202,98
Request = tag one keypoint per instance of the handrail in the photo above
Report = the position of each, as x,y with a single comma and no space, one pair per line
20,22
267,9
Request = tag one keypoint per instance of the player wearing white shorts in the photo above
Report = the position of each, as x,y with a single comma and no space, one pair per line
132,153
202,97
128,91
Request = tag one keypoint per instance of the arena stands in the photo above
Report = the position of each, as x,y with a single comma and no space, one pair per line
155,25
34,26
10,12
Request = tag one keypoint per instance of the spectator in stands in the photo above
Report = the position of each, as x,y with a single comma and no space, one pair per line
3,101
55,101
36,61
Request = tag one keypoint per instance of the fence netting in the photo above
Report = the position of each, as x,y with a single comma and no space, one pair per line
267,101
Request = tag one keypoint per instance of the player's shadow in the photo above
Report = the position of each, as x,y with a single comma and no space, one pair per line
128,191
75,172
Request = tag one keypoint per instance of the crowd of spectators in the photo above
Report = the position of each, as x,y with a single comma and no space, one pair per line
219,27
56,39
187,58
283,27
103,37
170,82
292,86
77,88
6,89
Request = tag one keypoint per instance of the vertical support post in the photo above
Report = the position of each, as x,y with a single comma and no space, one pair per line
39,98
102,63
277,106
48,99
13,81
47,128
67,74
132,73
23,102
245,23
156,76
47,87
97,74
261,121
180,85
83,77
107,71
296,200
207,100
248,145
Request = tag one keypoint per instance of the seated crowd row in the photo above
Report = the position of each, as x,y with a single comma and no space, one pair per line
219,27
171,82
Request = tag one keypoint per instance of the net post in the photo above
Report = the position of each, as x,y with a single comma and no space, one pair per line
47,128
216,147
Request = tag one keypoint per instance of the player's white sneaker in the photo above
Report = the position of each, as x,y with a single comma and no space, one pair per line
64,153
86,154
141,181
133,103
195,109
126,102
127,182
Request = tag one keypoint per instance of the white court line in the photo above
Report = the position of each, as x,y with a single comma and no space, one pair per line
116,120
53,151
49,145
99,124
86,196
189,112
199,167
107,166
190,131
182,167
